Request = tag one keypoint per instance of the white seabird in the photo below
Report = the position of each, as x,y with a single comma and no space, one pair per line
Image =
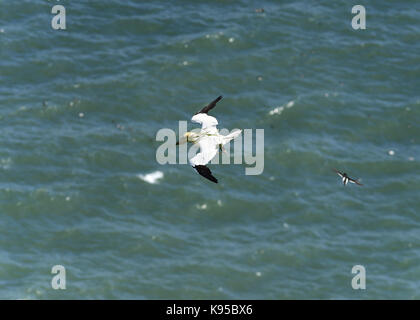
209,140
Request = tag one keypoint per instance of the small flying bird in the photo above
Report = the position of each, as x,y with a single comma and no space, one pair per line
346,179
209,140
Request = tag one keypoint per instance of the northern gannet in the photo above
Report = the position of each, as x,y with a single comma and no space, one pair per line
346,178
209,140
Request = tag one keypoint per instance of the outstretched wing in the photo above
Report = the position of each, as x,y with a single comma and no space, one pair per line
210,106
208,123
338,172
205,172
355,181
208,149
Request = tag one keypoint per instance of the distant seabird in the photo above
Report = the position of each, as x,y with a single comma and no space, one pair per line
209,140
346,179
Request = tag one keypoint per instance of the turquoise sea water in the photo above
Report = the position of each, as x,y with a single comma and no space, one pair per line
79,113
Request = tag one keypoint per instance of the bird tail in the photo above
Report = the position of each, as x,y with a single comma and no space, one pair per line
231,136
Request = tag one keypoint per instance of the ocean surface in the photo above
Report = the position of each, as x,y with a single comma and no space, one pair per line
80,185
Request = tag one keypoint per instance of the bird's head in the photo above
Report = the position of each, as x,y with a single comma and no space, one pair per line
187,137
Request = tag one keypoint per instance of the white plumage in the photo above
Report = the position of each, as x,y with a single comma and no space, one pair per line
209,139
208,150
208,123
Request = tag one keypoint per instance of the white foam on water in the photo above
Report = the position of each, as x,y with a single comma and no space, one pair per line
280,109
277,110
202,206
5,163
290,104
151,178
213,36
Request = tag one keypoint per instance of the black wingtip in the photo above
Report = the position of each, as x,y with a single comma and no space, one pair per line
210,106
205,172
357,182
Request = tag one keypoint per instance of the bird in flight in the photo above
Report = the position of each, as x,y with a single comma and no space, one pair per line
209,140
346,179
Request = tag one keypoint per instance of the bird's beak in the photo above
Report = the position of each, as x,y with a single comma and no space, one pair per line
181,141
